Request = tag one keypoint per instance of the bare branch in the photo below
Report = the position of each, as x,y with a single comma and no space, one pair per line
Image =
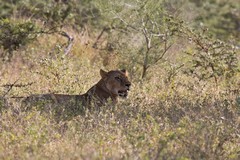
125,22
69,43
165,51
99,36
18,85
10,87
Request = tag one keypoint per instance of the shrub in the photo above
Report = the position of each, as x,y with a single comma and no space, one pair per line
14,35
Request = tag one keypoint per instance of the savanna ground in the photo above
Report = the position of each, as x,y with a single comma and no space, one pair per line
168,115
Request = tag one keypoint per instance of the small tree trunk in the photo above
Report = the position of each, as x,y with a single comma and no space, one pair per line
145,63
144,72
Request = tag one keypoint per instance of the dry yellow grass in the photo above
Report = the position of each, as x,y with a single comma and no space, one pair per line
178,119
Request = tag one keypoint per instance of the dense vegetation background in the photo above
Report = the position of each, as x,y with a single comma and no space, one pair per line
183,58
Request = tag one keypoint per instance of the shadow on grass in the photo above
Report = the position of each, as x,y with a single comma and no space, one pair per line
3,104
63,110
60,111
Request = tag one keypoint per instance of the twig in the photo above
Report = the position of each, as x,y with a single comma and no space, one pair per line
165,51
10,87
15,85
69,43
99,36
18,85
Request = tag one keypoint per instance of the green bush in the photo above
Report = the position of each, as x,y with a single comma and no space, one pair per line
14,35
54,13
211,58
221,17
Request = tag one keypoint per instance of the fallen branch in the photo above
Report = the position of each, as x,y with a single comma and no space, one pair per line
10,86
18,85
69,43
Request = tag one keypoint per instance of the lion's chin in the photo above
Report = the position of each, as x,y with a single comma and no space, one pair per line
123,93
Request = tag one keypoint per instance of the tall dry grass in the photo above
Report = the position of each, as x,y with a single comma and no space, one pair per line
178,119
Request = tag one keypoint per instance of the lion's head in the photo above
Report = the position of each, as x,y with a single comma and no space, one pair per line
116,82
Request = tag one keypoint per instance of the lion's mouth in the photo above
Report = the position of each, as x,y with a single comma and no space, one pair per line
123,93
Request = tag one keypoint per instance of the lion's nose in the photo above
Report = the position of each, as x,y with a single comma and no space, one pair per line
128,85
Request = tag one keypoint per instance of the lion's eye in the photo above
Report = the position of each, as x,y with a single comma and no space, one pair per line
118,78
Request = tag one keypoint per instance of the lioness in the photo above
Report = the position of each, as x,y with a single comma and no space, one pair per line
112,85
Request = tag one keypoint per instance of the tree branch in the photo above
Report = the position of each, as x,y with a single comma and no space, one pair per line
165,51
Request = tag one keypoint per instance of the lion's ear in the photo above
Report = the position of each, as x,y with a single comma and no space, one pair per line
125,72
103,73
